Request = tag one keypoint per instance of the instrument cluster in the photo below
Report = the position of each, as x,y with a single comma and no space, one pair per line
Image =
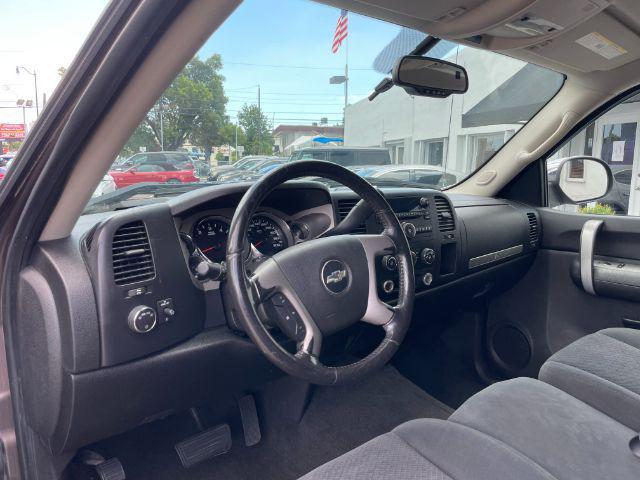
267,233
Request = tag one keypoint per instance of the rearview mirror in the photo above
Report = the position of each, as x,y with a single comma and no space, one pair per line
580,179
429,77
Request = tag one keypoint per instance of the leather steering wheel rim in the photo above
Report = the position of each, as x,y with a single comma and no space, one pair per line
244,295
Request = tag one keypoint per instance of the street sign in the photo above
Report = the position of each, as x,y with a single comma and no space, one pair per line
240,150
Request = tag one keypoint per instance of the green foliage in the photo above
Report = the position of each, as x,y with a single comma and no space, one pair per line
192,108
257,129
597,209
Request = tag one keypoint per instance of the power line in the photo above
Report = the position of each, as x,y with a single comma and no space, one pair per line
297,67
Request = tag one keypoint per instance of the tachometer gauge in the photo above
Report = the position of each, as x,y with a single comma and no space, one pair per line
210,235
266,235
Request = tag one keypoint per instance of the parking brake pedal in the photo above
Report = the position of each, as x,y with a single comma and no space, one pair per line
204,445
250,422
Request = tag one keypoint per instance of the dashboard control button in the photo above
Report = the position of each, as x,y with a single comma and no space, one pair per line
428,256
390,262
427,279
423,202
142,319
165,310
134,292
388,286
409,229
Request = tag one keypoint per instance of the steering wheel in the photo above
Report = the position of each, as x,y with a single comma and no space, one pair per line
320,286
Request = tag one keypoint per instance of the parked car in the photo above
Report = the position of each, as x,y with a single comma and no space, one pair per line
243,164
250,168
160,172
345,156
180,160
421,174
5,158
247,176
106,185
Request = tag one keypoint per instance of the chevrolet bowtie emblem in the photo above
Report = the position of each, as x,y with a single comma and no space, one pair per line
337,276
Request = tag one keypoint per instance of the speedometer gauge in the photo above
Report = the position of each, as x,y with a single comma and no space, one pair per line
266,235
210,235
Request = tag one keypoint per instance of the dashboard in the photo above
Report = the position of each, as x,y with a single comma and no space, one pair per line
140,335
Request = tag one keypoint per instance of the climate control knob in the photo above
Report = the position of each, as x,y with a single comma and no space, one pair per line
142,319
428,256
409,229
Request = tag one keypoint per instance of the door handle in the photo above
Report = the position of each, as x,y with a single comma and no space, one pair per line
588,236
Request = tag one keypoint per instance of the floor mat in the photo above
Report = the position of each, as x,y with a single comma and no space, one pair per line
337,420
439,371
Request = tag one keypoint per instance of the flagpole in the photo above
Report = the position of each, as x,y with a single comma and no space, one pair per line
346,80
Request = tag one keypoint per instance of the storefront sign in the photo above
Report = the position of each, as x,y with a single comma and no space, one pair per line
11,131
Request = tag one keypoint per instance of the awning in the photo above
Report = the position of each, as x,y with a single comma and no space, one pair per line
516,100
328,140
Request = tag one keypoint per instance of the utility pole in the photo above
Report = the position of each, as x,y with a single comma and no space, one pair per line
237,140
34,74
161,126
259,124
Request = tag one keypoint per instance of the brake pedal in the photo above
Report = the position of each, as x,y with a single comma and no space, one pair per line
204,445
250,422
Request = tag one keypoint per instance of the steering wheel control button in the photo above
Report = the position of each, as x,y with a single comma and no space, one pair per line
427,279
165,310
287,317
390,263
335,276
409,229
388,286
428,256
142,319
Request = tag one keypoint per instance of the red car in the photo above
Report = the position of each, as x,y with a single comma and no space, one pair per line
152,172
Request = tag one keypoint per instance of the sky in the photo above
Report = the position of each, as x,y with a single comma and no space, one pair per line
284,46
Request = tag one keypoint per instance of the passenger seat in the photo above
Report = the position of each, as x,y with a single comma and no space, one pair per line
602,370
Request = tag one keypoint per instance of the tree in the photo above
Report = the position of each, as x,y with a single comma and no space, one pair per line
257,129
192,108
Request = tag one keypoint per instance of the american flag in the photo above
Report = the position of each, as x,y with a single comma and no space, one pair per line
341,31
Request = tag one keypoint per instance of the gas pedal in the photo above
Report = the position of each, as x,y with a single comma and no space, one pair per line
204,445
250,422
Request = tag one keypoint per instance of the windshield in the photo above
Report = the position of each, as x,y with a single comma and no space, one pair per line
303,94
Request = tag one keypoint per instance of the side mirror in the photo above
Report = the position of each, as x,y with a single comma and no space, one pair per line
580,179
429,77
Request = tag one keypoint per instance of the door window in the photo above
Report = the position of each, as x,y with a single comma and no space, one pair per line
612,138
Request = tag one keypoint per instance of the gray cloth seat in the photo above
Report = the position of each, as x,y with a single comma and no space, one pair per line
520,428
602,370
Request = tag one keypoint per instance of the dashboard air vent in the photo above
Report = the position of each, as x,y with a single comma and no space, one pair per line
131,254
344,207
446,222
534,234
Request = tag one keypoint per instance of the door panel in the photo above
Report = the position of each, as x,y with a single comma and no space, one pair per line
549,306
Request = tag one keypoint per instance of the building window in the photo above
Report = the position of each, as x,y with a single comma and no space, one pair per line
431,152
484,146
396,150
576,170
